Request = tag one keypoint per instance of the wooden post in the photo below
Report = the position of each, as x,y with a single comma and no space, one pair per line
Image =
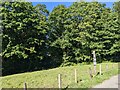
94,69
90,72
106,67
59,81
112,65
75,76
25,86
94,61
100,69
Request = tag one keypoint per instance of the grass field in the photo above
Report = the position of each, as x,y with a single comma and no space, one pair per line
49,78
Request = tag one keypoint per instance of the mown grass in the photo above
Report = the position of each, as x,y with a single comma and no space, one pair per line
49,78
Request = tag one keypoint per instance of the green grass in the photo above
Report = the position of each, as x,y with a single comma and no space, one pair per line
49,78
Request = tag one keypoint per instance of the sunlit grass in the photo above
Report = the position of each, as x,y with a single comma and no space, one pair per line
49,78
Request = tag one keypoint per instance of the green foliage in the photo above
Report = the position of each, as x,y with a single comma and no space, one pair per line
34,39
115,49
24,36
82,28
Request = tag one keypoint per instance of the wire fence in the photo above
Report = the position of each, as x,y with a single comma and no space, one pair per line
76,75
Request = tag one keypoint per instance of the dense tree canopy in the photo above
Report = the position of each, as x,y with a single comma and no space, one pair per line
82,28
34,39
24,36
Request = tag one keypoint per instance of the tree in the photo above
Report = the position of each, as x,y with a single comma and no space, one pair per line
56,35
24,35
95,29
115,28
82,28
33,39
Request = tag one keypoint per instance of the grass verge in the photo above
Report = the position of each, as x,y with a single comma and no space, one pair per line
49,78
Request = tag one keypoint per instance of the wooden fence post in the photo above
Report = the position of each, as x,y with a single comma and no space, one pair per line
106,67
59,81
100,69
94,69
90,72
25,86
113,65
75,76
94,61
